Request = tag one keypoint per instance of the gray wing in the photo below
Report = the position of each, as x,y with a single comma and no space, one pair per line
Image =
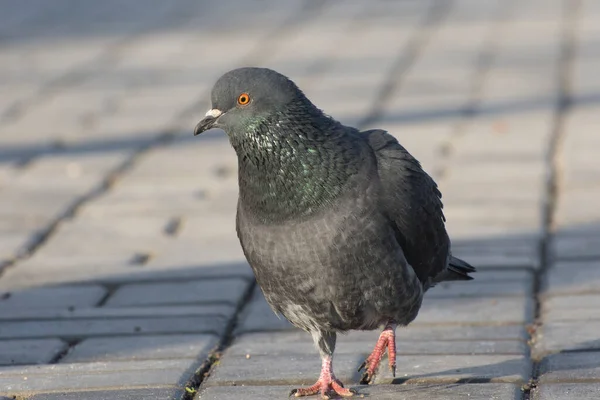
413,204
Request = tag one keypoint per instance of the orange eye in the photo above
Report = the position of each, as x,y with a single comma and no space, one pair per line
243,99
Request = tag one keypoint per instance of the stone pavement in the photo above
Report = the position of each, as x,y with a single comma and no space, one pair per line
122,277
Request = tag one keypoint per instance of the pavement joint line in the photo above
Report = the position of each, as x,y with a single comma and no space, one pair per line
194,383
60,355
483,64
572,13
407,55
110,290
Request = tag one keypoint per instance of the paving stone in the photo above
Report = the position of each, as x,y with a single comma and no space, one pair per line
31,274
258,316
481,287
459,368
225,310
576,247
39,203
13,244
570,367
568,335
460,332
35,351
129,394
75,329
284,343
83,376
581,278
476,311
567,391
571,308
77,249
489,391
301,369
142,348
53,297
228,291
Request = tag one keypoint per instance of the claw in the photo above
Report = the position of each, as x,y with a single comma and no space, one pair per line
365,379
363,365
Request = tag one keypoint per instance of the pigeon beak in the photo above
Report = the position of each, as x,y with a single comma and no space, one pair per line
208,121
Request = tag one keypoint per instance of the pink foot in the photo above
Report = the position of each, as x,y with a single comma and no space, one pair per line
326,384
387,339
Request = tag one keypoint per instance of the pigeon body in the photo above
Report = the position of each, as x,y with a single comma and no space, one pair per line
343,229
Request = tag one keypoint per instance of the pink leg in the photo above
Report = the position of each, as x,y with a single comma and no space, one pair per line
387,339
326,383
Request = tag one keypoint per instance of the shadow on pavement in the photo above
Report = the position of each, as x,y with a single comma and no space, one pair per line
149,307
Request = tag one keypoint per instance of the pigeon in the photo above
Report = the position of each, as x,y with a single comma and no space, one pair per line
343,229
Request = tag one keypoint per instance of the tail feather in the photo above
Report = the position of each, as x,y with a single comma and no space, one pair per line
458,270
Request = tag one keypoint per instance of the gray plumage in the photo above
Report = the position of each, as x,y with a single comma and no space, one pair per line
343,229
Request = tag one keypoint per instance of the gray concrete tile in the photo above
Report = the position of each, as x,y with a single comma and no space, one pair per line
481,287
488,391
582,307
258,316
31,273
52,297
142,348
228,291
574,278
224,310
76,329
567,391
500,310
34,351
285,343
128,394
568,335
302,368
570,367
572,248
84,376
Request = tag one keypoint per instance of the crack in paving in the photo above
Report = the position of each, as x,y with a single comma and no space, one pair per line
572,12
204,371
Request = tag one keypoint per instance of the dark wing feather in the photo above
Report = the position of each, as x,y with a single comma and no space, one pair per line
413,204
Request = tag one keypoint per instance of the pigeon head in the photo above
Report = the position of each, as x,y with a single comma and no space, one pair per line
244,98
292,158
